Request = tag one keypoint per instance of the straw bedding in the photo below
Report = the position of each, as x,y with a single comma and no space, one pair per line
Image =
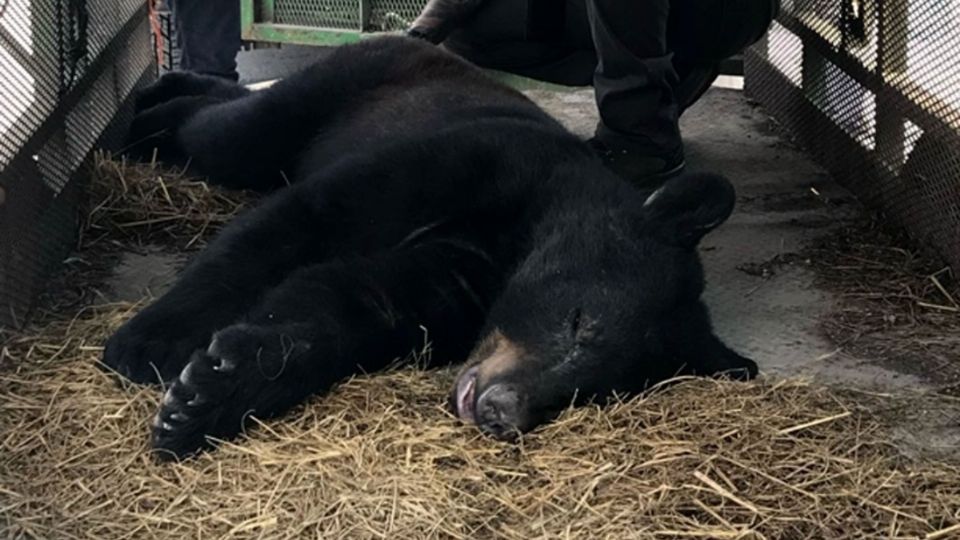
380,457
897,302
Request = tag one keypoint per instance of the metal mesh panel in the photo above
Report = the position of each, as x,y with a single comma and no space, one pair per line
105,17
389,15
341,14
29,63
382,15
872,89
67,68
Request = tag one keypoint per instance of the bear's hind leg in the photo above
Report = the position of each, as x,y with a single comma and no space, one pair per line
153,133
322,325
163,107
254,253
184,83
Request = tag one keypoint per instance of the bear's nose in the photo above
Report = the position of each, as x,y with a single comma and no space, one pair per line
498,412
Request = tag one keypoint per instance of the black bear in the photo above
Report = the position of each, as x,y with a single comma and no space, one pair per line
422,195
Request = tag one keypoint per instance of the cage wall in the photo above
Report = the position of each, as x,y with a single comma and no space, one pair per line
871,88
67,70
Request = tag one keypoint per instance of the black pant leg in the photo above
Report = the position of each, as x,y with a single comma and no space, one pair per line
518,36
209,33
634,77
618,46
630,50
705,32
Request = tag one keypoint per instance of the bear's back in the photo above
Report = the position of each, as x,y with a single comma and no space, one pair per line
421,92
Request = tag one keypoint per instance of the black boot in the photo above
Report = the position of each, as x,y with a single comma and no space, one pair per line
644,169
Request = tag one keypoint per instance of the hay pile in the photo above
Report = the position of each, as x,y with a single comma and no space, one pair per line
144,203
898,302
380,458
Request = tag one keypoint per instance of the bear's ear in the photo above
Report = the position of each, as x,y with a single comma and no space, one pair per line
688,207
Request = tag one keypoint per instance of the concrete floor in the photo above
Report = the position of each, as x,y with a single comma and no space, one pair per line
773,320
258,65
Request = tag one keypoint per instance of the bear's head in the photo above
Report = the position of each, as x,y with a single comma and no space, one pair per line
607,301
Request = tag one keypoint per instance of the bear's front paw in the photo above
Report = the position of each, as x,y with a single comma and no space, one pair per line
177,84
171,85
154,132
218,390
151,350
195,406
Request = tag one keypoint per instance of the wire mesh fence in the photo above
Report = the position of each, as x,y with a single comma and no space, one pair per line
381,15
389,15
872,89
67,68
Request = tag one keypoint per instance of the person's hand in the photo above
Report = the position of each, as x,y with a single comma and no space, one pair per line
422,29
440,17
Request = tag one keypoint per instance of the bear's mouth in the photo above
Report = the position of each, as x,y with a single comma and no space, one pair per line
464,396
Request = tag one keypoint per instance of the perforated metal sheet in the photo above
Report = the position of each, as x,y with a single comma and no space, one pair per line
388,15
67,67
105,18
31,74
872,89
382,15
340,14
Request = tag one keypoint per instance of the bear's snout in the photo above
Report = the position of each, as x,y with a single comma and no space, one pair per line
485,393
499,412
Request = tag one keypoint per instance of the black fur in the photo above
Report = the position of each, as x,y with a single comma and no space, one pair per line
424,195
